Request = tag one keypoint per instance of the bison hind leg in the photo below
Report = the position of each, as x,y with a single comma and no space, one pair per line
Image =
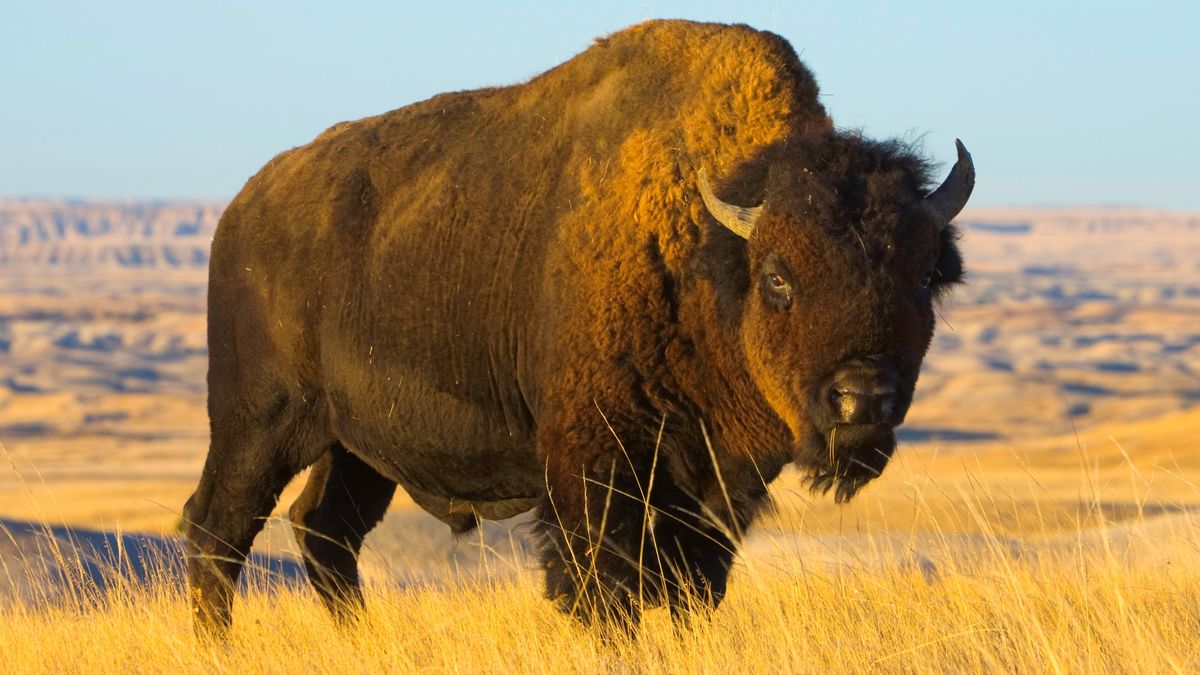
248,465
342,501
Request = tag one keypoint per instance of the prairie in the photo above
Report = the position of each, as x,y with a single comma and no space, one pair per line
1041,513
1073,558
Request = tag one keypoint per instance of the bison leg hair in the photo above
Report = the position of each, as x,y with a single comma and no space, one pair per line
341,502
600,561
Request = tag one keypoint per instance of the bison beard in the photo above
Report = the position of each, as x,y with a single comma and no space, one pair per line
625,294
858,453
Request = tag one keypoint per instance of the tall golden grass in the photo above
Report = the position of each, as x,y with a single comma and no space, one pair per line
1070,613
956,586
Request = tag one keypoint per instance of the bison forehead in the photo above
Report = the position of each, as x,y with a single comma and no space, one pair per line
858,192
867,249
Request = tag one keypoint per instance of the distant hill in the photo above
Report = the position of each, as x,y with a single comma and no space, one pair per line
1080,220
49,234
94,235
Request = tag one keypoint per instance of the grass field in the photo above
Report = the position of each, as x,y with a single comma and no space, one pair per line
1081,556
1072,613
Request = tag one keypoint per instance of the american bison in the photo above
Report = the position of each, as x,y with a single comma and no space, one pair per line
625,294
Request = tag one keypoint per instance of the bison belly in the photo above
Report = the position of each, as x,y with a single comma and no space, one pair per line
458,458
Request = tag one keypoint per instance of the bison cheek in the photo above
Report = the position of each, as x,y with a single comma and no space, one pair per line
776,379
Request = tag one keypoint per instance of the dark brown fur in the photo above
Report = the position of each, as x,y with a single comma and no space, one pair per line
513,298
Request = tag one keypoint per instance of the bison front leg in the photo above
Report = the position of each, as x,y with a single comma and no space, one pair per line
697,536
599,557
695,548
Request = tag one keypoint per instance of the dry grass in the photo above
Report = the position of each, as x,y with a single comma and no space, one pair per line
928,573
1074,612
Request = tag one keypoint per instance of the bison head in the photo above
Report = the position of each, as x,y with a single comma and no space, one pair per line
828,289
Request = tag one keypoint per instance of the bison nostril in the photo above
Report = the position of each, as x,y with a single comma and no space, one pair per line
835,397
888,399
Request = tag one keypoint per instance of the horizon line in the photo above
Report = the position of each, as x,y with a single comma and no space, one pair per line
224,201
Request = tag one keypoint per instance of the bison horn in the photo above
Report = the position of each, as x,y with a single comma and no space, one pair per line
738,219
952,195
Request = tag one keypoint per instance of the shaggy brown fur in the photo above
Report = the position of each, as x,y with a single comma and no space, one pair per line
513,298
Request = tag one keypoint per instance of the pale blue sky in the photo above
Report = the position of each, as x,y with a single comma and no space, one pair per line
1060,102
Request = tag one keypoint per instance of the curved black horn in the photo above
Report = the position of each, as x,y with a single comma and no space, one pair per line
952,195
738,219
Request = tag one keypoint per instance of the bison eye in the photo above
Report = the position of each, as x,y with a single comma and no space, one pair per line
927,280
776,287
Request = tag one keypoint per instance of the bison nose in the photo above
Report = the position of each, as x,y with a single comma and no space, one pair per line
855,405
864,391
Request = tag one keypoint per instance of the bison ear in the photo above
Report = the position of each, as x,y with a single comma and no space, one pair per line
949,268
723,262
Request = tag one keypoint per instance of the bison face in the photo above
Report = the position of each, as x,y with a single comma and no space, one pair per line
844,262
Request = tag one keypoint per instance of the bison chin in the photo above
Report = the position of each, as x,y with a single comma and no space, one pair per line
854,455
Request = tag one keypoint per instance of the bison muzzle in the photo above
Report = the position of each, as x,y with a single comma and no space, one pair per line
624,294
